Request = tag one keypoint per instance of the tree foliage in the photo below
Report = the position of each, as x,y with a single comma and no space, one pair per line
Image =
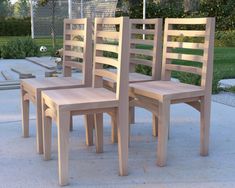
5,8
22,9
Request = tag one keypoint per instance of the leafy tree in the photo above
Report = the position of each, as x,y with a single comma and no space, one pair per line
52,6
5,8
22,8
223,10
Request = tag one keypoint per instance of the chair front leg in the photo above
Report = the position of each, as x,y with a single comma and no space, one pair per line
25,114
163,126
63,146
39,124
123,139
99,132
46,132
47,124
205,113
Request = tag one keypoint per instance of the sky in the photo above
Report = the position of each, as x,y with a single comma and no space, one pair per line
13,1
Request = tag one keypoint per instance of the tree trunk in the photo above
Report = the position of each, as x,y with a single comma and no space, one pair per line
191,5
53,34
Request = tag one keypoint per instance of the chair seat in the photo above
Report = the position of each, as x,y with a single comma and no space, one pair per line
161,90
80,98
50,83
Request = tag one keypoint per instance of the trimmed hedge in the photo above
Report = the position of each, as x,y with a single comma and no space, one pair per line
15,27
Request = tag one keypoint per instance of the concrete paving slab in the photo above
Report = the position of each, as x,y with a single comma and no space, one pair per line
21,167
8,64
227,83
47,62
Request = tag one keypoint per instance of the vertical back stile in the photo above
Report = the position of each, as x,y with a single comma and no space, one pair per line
123,57
207,69
165,75
157,51
88,57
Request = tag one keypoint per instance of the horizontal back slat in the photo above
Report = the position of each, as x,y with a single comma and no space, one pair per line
182,68
75,32
107,47
75,21
187,21
184,57
143,21
73,54
106,61
74,43
105,73
108,21
186,33
109,35
186,45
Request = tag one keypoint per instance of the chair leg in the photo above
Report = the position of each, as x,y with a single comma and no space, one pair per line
123,141
205,112
25,115
131,114
39,125
71,123
47,124
154,125
99,132
89,126
63,146
163,119
114,138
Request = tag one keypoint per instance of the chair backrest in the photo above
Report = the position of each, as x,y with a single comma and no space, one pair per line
146,45
196,54
111,40
78,48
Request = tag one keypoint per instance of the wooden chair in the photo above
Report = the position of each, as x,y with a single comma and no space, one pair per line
77,54
58,104
150,56
158,95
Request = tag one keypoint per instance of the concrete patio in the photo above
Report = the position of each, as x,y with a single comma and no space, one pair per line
22,167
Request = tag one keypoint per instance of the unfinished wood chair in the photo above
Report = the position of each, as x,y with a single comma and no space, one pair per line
77,54
59,104
158,95
145,48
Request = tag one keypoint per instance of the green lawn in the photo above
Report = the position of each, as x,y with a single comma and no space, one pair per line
43,41
224,60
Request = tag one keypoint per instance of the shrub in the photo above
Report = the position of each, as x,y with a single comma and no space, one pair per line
225,38
15,27
19,49
223,10
157,10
